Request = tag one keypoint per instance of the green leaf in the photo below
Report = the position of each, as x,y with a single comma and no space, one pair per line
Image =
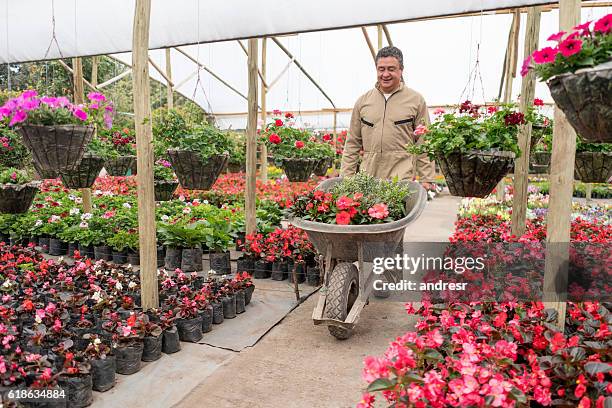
577,354
595,345
518,396
593,368
381,384
431,354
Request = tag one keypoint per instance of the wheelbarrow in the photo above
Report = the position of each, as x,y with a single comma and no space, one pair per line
346,286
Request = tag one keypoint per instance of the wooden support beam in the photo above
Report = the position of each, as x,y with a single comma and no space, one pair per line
161,72
335,139
297,63
280,75
259,72
115,79
379,31
169,85
263,157
144,155
79,98
251,135
561,181
589,191
521,165
94,70
86,82
217,77
369,42
387,35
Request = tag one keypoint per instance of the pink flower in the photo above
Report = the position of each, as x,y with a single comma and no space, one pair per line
570,46
30,93
556,37
545,55
276,112
366,401
374,369
344,203
126,331
439,111
421,130
491,109
584,28
108,120
80,114
343,218
379,211
18,117
14,176
525,66
299,144
603,24
96,96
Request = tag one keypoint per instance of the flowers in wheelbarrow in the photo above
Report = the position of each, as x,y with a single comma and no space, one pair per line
379,211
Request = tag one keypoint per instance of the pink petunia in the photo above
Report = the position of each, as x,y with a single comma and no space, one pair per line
525,66
30,93
570,46
80,114
545,55
603,24
583,28
379,211
556,37
18,117
96,96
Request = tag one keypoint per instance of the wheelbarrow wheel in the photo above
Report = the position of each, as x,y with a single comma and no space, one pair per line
343,290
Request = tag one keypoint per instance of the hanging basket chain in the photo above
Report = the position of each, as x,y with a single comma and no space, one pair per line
54,36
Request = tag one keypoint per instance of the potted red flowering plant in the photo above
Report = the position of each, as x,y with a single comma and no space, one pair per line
55,130
189,321
118,148
578,70
17,191
475,147
128,343
76,378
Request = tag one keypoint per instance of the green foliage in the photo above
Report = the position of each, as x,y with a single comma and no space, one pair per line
205,140
124,240
13,152
218,238
168,127
237,142
583,146
184,235
162,170
114,142
12,175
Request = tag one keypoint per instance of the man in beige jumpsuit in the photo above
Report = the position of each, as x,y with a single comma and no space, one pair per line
383,123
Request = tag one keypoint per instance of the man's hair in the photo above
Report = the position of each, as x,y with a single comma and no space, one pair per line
391,52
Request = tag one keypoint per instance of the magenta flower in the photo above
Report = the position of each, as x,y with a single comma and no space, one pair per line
18,117
80,114
556,37
545,55
570,46
49,101
30,93
108,120
96,96
584,28
603,24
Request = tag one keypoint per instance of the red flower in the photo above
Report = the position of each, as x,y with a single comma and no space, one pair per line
327,137
492,109
299,144
556,37
557,342
343,218
274,138
583,27
344,202
278,122
288,115
570,46
545,55
538,102
603,24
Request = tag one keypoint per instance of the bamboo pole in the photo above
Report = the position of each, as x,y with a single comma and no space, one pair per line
263,149
169,85
335,138
259,72
94,71
387,34
561,186
251,135
144,155
79,98
379,30
71,71
521,165
369,42
589,191
161,72
510,73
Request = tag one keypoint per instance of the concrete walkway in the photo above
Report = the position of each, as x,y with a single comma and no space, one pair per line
300,365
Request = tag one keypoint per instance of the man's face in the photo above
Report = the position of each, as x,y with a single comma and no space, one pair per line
389,74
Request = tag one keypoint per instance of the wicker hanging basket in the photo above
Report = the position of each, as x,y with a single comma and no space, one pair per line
84,174
164,189
17,198
593,167
121,166
586,99
195,173
298,169
474,173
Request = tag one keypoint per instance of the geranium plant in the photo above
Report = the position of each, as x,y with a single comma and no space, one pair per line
587,45
112,143
14,176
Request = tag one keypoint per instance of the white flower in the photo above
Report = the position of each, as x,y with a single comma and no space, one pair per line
165,218
74,211
97,297
132,284
205,201
108,194
86,216
97,341
127,205
72,197
38,223
55,218
118,286
186,210
78,200
182,198
84,224
7,284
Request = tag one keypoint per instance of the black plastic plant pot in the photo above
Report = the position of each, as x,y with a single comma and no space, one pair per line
220,262
86,251
190,330
245,264
133,258
57,247
78,390
195,173
240,240
120,257
322,166
191,260
261,269
173,258
586,100
128,358
298,169
313,276
279,270
103,373
121,166
217,312
240,301
207,319
43,243
17,198
56,148
300,272
72,246
164,189
229,306
103,252
170,341
152,348
161,256
593,167
84,174
475,173
248,294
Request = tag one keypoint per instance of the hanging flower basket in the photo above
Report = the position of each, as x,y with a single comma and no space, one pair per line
586,100
17,198
475,173
298,169
195,173
539,162
84,174
593,167
120,166
322,166
164,189
236,167
45,174
56,148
